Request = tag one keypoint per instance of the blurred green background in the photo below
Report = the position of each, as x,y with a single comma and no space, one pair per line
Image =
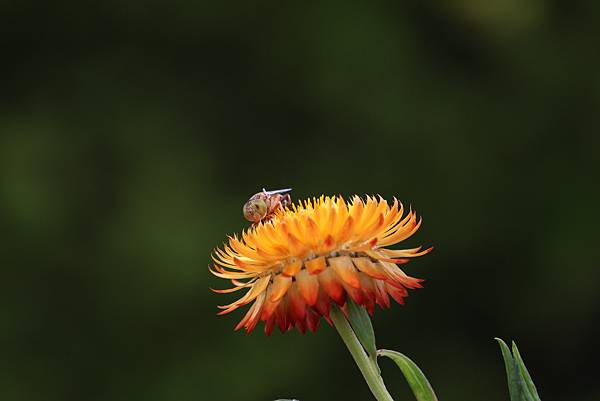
131,133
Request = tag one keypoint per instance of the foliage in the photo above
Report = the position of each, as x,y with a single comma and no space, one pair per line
520,384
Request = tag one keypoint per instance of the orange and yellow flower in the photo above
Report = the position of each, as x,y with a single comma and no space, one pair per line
316,252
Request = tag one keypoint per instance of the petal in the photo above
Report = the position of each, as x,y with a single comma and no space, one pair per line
355,293
251,318
381,294
281,284
312,320
281,315
346,230
291,269
367,285
323,302
405,253
308,285
405,232
330,282
398,293
296,305
258,288
316,266
270,306
343,266
397,276
227,290
269,325
365,265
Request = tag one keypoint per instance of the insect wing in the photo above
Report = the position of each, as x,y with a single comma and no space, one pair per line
277,191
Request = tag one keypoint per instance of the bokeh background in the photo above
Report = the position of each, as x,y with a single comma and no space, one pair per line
131,133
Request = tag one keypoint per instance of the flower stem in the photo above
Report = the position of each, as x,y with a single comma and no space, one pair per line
367,366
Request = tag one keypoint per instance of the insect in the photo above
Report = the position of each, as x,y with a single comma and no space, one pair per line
263,205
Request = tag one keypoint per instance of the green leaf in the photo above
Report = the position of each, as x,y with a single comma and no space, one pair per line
361,324
524,373
520,385
512,374
414,376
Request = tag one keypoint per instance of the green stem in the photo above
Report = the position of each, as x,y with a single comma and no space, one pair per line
368,367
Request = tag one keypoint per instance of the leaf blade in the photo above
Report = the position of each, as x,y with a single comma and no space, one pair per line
512,375
525,376
416,379
363,328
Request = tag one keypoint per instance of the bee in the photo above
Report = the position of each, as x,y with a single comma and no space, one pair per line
263,205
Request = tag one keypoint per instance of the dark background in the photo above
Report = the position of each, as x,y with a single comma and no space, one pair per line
133,132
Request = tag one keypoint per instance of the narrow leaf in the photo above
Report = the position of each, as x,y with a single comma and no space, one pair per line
526,377
414,376
512,374
361,324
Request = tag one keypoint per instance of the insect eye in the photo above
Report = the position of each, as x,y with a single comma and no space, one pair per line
255,210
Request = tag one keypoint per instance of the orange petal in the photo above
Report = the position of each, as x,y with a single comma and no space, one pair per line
301,326
382,297
374,227
323,302
346,230
330,282
257,288
295,246
313,229
356,209
281,316
251,318
312,320
379,256
397,293
366,266
281,284
404,232
368,215
343,266
397,277
308,285
227,290
328,244
392,217
316,266
269,306
296,304
356,294
291,269
269,324
367,285
406,253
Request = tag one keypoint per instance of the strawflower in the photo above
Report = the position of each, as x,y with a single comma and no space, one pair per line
314,252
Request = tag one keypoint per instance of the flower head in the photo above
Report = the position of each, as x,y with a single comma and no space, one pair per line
316,252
